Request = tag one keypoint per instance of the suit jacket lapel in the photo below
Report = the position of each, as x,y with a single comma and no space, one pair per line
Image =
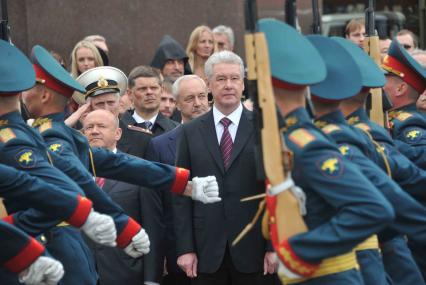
244,132
209,136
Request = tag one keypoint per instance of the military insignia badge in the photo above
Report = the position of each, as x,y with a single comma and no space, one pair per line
55,147
330,166
353,120
26,158
413,135
6,135
301,137
345,149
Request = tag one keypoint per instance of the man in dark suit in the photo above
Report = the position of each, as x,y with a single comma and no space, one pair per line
220,143
113,265
190,93
144,88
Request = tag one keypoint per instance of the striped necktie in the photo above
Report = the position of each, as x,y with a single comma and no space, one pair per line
226,143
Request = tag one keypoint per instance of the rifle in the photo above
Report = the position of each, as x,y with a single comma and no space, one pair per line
290,12
316,18
378,113
271,153
4,22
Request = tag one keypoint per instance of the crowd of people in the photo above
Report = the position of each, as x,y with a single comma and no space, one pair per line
138,178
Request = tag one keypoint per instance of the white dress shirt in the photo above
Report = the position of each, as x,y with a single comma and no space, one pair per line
233,127
139,119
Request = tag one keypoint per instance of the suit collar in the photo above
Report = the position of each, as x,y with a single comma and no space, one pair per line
244,132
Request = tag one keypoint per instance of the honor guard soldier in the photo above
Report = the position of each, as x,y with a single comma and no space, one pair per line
343,207
22,255
356,146
25,150
406,80
397,257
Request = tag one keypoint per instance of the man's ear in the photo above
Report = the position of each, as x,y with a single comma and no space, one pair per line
46,95
118,133
401,89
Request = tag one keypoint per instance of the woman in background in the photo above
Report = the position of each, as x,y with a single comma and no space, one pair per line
201,46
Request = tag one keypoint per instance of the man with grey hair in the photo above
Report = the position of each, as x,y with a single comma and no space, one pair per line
190,93
224,37
220,143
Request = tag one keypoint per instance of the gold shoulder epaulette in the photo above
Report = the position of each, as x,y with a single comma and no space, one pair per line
403,116
6,135
45,126
330,128
301,137
363,126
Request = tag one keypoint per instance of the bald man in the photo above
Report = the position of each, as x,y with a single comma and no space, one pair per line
101,128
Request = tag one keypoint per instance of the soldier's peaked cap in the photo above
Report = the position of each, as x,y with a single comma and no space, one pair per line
372,75
16,71
293,59
398,62
101,80
50,73
343,75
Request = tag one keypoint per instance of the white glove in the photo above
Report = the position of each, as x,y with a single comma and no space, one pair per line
298,193
101,229
284,271
139,245
205,189
43,271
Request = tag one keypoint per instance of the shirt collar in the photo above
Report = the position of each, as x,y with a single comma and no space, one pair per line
235,116
139,119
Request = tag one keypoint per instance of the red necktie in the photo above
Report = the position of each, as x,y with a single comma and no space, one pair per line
226,142
100,181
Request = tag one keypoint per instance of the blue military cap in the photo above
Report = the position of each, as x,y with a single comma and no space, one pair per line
398,62
16,72
372,75
293,59
52,74
343,75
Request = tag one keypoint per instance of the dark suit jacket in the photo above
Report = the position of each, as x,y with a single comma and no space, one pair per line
208,229
113,264
134,140
163,149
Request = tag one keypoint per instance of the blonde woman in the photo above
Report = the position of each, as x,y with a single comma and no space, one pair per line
201,46
84,56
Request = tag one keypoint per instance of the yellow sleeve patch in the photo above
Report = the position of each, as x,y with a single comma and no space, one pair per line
45,127
404,116
6,135
330,128
301,137
363,127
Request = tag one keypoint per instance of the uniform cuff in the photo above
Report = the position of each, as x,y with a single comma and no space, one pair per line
293,262
181,179
81,212
9,219
129,231
25,258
